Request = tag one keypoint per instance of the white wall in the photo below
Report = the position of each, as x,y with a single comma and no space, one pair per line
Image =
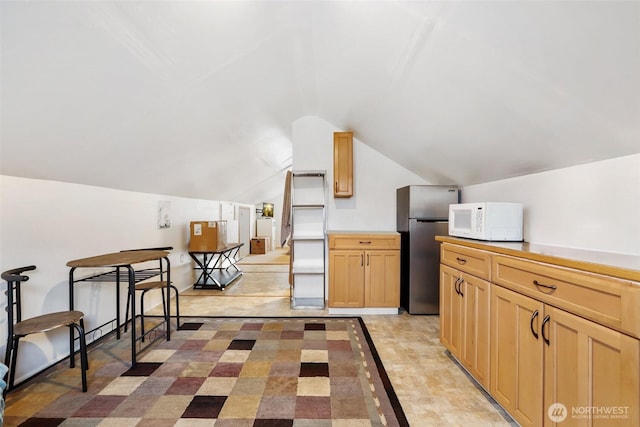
592,206
376,178
48,223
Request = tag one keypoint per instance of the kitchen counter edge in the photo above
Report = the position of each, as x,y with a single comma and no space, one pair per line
611,264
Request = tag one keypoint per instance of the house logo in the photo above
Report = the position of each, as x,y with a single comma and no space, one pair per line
557,412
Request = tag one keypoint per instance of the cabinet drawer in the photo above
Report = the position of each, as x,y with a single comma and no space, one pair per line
364,241
606,300
472,261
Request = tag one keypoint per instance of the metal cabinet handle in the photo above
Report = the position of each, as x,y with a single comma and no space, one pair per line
365,242
336,190
367,259
542,285
458,286
544,322
533,317
461,260
361,260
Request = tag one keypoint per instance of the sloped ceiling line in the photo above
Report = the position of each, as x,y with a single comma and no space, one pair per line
203,94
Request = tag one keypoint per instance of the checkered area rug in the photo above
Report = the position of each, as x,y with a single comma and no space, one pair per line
238,372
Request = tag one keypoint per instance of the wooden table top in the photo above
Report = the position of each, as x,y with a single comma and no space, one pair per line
119,259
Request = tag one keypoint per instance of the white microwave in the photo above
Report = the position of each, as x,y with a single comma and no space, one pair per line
486,221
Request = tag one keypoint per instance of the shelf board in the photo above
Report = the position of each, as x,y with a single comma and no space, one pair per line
308,237
308,206
308,269
318,173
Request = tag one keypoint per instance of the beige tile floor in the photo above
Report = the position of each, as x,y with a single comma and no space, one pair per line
433,389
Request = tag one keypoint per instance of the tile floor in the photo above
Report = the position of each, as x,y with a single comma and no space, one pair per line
433,390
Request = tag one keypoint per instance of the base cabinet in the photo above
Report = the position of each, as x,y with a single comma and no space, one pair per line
364,277
464,317
564,346
543,356
516,355
346,279
590,366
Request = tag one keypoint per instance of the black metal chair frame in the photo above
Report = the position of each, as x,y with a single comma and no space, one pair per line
14,279
145,287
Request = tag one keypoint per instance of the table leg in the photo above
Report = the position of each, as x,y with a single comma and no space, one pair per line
117,302
71,298
168,318
132,290
199,263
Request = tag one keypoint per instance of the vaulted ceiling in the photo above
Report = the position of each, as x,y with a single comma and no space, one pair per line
197,99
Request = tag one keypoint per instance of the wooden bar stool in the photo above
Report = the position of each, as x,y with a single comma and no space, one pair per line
19,328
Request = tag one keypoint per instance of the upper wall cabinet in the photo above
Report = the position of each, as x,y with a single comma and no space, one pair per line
343,164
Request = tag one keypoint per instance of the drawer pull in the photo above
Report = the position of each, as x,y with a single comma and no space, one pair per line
533,317
542,285
544,322
455,286
365,242
461,260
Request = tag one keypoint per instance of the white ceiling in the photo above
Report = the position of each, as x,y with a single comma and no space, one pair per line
196,99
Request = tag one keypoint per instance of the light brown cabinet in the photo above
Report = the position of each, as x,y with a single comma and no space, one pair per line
343,164
542,355
364,270
464,309
516,355
564,334
346,278
590,366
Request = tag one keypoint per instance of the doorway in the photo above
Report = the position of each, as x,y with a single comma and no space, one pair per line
244,230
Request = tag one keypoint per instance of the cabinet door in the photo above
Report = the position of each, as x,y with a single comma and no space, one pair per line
343,164
382,279
475,348
450,310
346,278
517,355
590,366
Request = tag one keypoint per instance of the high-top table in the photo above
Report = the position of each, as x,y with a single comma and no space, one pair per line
123,263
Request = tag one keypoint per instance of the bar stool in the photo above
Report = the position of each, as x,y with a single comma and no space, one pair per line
145,287
19,328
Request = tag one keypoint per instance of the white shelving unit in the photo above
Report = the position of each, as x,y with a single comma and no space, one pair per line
308,190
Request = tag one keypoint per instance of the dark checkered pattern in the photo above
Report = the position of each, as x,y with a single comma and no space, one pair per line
237,372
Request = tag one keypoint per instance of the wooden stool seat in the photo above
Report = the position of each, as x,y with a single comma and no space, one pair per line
19,328
47,322
146,286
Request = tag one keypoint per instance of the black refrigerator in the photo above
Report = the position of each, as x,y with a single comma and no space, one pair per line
422,213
